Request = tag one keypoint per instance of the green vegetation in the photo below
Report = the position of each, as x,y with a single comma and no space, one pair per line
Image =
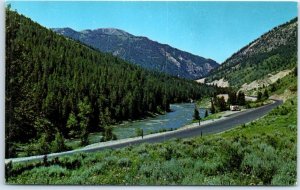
284,85
196,115
272,52
213,116
204,102
56,85
263,152
218,103
139,132
58,88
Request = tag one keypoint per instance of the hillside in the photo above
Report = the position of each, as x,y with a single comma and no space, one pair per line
143,51
272,52
262,152
57,88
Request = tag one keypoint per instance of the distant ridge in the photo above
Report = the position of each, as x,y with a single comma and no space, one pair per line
143,51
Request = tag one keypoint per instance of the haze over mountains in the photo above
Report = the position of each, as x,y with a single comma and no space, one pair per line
143,51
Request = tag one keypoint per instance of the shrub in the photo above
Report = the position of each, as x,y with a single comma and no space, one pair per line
169,173
261,163
234,154
271,140
165,173
292,127
108,134
139,132
212,167
286,175
147,170
203,151
58,144
70,162
57,171
96,169
124,162
218,180
111,160
166,153
195,178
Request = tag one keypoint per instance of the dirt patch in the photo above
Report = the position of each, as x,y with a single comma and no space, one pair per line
270,79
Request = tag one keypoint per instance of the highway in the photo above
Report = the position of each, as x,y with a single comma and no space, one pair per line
205,129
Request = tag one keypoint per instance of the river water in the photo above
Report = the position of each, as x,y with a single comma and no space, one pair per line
181,115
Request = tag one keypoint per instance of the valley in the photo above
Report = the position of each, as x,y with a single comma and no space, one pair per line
106,107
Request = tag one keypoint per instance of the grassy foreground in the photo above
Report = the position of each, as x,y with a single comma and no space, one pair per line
263,152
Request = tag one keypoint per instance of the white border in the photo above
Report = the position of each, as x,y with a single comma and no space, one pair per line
2,124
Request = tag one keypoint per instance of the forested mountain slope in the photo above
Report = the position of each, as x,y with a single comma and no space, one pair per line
262,152
55,85
143,51
274,51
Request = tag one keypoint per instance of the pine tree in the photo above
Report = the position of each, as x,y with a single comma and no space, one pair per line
259,96
266,94
212,107
58,144
221,103
206,113
108,134
84,117
58,85
241,98
232,98
72,125
196,115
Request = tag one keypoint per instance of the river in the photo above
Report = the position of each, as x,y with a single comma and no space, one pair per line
181,115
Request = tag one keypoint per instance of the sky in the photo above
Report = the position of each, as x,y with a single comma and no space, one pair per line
213,30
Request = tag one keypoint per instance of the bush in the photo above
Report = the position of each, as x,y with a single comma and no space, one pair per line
58,144
218,180
139,132
111,160
108,134
70,162
261,163
166,173
147,170
281,110
56,171
211,167
271,140
124,162
286,175
97,169
203,151
196,178
171,172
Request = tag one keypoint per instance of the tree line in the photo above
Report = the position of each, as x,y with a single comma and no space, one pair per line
57,88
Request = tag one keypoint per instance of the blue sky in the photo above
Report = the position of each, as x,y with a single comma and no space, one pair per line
210,29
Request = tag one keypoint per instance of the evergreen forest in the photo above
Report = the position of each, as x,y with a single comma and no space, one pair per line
58,88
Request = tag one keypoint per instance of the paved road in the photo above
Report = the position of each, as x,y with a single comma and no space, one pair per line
210,128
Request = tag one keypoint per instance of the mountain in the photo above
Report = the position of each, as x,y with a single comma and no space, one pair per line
274,51
143,51
59,86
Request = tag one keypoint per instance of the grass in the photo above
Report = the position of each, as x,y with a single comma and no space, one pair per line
263,152
210,117
204,102
213,116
